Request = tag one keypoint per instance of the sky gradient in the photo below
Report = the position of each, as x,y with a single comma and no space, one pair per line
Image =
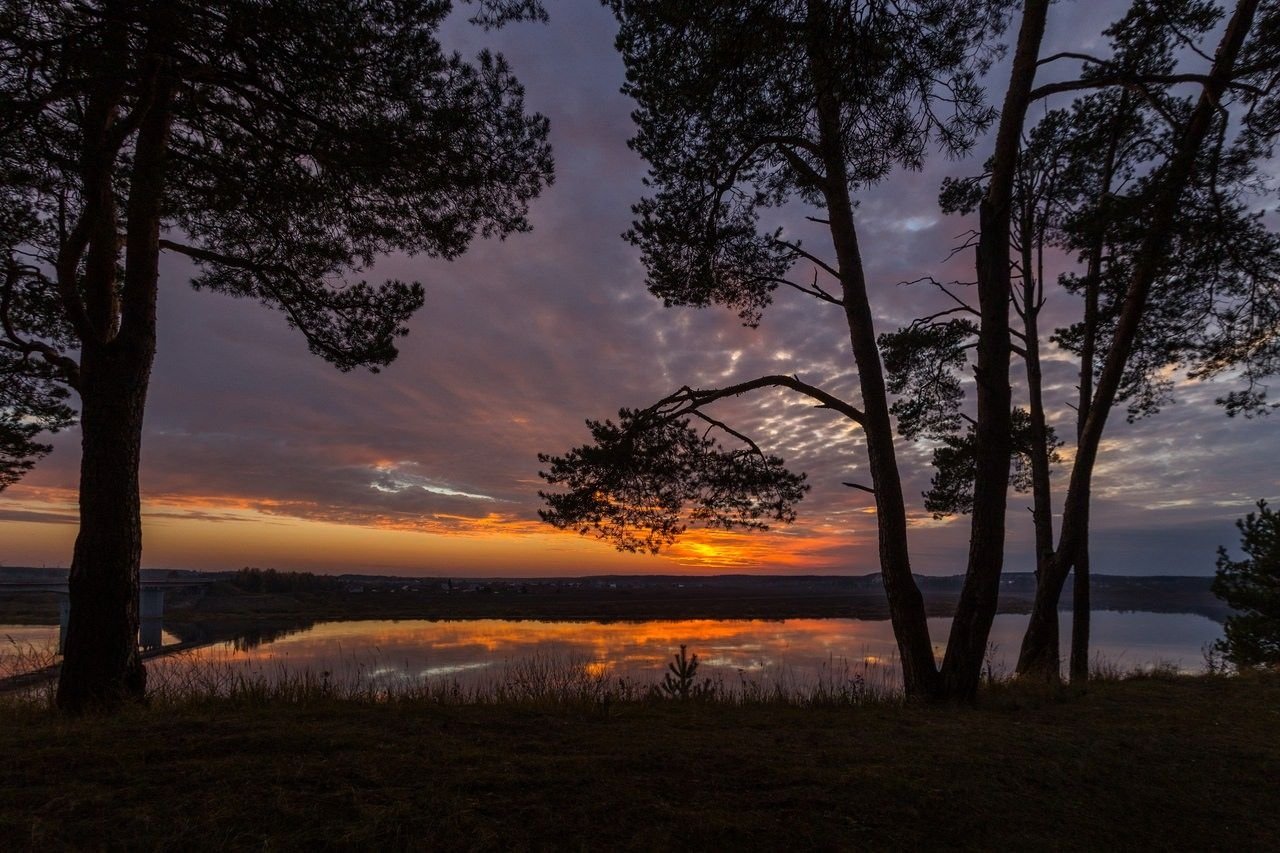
258,453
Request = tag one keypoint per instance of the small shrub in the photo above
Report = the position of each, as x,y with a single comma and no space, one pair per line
678,681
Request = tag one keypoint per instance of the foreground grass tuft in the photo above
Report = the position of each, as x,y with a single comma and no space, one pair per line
1159,762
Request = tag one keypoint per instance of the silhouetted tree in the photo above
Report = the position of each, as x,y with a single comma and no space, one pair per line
251,579
1199,159
1087,178
281,146
31,402
1252,587
647,476
751,105
680,679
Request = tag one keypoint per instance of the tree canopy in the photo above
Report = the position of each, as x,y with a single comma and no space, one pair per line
304,139
1088,174
282,147
1092,177
643,479
728,120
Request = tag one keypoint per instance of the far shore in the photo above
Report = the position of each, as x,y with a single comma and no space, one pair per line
221,605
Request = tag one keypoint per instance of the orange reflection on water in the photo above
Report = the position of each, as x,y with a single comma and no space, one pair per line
801,649
796,650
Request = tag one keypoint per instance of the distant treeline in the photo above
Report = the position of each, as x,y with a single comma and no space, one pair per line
269,580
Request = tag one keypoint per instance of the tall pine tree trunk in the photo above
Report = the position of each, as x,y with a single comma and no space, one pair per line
101,666
906,604
976,609
1080,622
1049,666
101,663
1042,494
1080,614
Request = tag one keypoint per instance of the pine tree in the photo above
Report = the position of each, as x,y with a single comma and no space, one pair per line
1252,587
281,147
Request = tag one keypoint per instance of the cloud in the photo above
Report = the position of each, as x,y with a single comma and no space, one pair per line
398,477
26,515
521,340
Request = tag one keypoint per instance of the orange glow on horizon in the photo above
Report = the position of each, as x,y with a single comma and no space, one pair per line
219,532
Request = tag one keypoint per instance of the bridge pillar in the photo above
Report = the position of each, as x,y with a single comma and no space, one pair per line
151,617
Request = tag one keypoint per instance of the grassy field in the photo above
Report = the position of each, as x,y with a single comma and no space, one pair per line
1162,763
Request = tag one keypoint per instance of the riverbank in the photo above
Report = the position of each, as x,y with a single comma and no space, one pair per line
1151,763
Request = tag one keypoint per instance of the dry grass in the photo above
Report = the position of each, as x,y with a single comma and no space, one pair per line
17,657
540,679
543,678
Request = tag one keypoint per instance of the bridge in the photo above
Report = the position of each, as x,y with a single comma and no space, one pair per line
150,603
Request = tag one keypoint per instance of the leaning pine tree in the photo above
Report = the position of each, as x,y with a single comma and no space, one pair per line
1203,160
745,108
1089,175
281,146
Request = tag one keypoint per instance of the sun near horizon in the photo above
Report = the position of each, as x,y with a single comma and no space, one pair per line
228,535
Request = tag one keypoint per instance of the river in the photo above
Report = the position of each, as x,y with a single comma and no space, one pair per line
789,651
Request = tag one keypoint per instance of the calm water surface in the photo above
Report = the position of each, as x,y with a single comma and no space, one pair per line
798,651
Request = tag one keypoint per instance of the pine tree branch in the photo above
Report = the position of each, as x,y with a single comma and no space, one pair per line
688,400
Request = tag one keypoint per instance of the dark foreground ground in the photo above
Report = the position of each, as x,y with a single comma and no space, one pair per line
1187,763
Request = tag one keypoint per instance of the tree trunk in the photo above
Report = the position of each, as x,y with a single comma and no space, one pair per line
906,604
101,666
971,627
1080,615
1080,602
1040,644
1042,496
1043,508
1039,656
1047,663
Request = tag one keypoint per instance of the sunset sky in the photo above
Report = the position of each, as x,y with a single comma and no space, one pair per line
258,453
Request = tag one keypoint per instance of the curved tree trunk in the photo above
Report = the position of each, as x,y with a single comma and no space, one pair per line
971,627
1047,664
906,604
1039,656
1080,626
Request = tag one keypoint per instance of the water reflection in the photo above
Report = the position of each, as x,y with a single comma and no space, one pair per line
244,636
795,650
791,650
